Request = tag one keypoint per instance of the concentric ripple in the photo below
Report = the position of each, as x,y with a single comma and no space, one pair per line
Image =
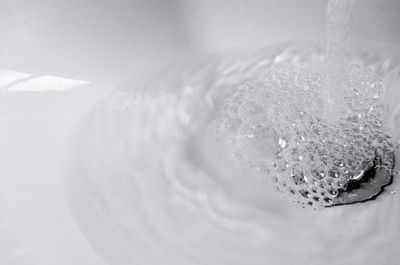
184,169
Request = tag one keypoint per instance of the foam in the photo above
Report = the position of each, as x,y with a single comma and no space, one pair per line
274,124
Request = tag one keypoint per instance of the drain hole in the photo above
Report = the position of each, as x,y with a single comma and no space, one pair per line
368,186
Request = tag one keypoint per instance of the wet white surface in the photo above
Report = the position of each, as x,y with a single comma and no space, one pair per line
36,226
109,41
139,200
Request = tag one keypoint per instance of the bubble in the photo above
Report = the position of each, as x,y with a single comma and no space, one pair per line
280,111
282,143
305,193
299,175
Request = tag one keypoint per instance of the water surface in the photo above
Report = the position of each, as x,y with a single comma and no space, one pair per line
154,180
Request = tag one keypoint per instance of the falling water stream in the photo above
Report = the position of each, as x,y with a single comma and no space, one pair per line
338,18
232,161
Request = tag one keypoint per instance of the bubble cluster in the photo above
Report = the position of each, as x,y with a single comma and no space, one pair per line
274,124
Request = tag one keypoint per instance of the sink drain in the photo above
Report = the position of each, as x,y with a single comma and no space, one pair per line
367,186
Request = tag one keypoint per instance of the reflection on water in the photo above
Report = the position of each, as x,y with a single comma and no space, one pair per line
13,81
153,181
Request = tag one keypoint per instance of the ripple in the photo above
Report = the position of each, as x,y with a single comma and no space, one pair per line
145,187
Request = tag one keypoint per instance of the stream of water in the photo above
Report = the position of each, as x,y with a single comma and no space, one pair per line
337,32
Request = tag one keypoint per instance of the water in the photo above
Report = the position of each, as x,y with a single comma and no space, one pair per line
274,125
151,180
337,29
231,161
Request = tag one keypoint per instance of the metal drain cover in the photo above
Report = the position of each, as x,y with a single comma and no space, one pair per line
367,187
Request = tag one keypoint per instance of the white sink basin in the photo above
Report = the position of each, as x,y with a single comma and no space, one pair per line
59,58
